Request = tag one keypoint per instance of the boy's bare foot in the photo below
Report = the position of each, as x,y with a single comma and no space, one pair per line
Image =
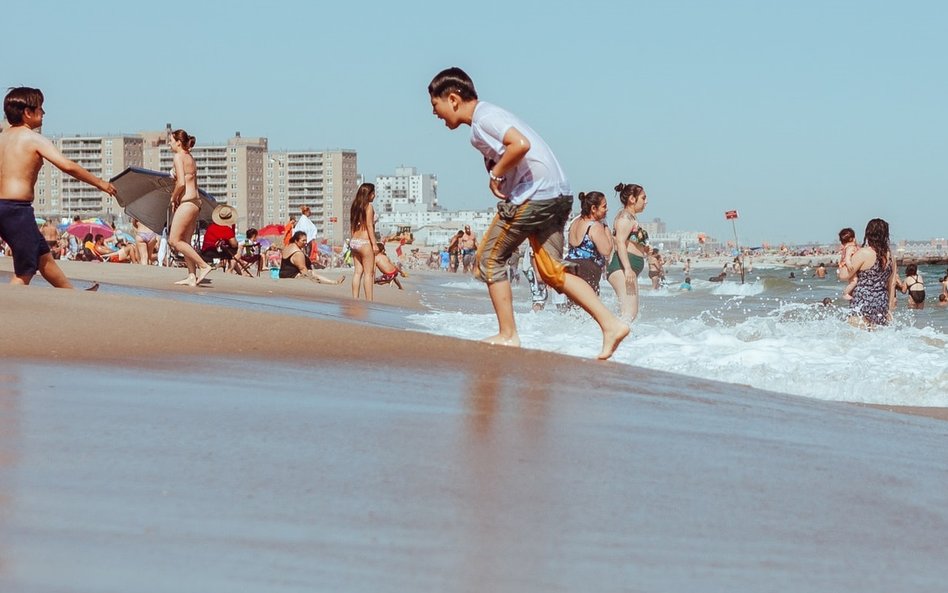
611,339
499,340
202,274
189,281
93,288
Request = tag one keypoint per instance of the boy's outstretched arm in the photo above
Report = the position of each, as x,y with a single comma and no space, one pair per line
516,146
49,152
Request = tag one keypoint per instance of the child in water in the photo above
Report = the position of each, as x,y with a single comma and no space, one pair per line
847,240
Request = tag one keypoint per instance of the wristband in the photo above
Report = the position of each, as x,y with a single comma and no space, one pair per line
494,177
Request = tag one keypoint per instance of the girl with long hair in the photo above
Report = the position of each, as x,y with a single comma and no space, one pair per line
362,242
186,205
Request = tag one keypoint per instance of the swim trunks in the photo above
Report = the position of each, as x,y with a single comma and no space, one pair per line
18,228
540,221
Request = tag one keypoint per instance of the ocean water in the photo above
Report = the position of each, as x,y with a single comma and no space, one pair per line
772,332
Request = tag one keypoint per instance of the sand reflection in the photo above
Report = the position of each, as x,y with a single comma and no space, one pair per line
504,443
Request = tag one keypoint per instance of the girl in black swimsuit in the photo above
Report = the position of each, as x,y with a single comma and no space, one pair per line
914,286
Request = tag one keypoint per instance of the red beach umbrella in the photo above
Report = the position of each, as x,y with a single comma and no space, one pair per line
271,230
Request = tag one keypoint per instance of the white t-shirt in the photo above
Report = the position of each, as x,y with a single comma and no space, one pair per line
538,176
306,225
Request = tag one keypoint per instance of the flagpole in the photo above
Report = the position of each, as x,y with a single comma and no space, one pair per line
737,245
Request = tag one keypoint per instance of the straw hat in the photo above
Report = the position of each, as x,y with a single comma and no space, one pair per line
224,215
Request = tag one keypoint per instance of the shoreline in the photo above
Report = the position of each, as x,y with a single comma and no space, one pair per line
69,312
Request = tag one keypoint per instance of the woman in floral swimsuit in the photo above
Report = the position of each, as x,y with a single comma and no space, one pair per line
874,268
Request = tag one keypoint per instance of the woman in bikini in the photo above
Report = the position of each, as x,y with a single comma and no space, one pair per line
914,285
631,249
589,241
186,205
362,243
145,242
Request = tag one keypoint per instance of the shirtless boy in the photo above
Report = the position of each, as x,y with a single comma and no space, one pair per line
22,151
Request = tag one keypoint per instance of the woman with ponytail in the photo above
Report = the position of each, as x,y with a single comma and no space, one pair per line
628,259
589,240
186,206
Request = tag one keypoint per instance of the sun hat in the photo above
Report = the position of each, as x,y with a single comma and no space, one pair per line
224,215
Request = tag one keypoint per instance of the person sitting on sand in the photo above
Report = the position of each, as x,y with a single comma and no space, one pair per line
295,264
121,254
385,265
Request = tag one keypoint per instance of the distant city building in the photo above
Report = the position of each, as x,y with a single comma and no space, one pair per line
326,181
406,191
59,194
265,187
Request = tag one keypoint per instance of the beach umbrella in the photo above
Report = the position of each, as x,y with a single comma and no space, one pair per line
272,230
81,229
146,195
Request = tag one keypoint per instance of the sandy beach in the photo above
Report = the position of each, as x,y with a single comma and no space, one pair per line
160,438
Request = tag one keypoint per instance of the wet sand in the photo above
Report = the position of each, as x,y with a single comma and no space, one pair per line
148,444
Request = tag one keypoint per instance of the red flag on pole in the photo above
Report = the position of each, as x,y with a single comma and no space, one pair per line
730,214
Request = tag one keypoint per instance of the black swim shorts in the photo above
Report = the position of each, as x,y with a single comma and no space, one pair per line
18,228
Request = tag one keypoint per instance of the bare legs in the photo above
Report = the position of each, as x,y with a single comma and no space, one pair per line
51,273
179,237
363,260
627,292
613,329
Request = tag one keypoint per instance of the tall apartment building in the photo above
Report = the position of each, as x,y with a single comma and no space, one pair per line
265,187
231,172
406,191
326,181
57,194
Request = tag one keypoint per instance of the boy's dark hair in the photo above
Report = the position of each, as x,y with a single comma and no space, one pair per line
452,80
846,235
18,100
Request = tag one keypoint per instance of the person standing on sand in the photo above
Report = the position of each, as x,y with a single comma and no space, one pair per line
22,151
186,205
535,203
362,243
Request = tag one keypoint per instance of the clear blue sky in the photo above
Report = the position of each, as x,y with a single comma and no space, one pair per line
806,116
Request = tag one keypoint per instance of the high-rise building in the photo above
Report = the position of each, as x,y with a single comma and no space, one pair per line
59,194
406,191
265,187
323,180
231,172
